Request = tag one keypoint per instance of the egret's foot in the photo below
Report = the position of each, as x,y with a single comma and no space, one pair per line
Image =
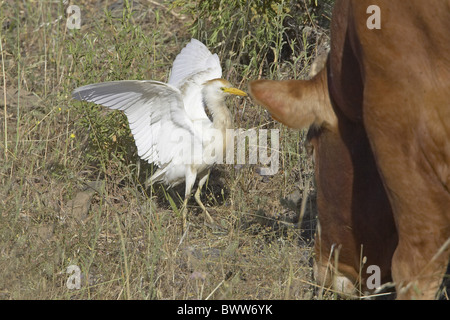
208,218
211,223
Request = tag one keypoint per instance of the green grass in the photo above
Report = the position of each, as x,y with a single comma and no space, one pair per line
71,183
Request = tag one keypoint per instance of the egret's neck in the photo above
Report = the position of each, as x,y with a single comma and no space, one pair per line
221,115
219,111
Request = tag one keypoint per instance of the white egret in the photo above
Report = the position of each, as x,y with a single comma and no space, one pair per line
168,120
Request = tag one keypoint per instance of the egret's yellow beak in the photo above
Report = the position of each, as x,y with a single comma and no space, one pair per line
235,91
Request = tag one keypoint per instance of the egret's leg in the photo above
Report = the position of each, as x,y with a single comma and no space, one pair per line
197,197
190,180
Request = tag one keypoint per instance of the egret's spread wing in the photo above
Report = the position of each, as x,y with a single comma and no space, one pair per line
192,67
154,110
193,59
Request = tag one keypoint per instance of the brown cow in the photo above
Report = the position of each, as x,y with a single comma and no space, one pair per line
379,118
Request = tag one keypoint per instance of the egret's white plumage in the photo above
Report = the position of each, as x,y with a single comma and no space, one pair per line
156,110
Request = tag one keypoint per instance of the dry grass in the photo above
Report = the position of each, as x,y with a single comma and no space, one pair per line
63,204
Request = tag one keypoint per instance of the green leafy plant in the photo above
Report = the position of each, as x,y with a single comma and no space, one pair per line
127,52
255,34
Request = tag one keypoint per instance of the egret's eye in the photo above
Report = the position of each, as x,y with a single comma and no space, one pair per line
222,88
